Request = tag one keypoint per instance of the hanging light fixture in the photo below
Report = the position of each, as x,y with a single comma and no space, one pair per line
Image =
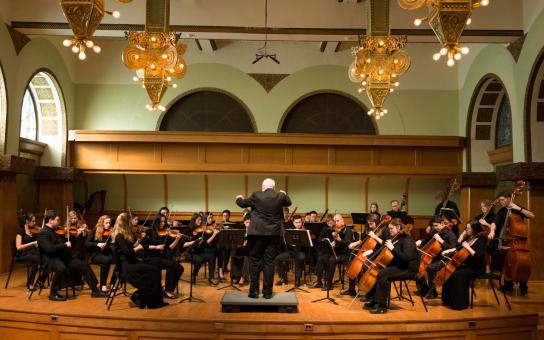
379,58
155,55
448,19
84,17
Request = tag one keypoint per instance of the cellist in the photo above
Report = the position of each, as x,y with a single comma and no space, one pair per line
402,266
456,290
495,232
445,236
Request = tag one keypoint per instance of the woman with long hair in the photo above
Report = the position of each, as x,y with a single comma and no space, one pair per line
144,276
98,245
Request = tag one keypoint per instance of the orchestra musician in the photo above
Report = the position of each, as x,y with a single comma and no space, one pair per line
486,208
160,247
223,254
397,212
321,251
451,215
403,266
78,241
26,245
205,252
57,259
291,252
312,216
98,245
240,259
455,291
342,237
374,209
144,276
497,257
445,236
264,234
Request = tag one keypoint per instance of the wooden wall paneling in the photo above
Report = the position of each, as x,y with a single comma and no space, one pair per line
326,188
206,194
407,192
366,207
165,181
287,184
352,156
534,200
125,192
8,217
180,153
470,201
246,186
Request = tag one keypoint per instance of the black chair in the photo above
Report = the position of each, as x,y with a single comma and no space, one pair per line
15,261
120,280
490,277
41,273
399,291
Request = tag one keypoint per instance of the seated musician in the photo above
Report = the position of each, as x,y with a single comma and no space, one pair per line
379,235
497,255
403,266
396,212
374,209
57,258
342,237
240,259
78,240
486,209
205,251
321,251
291,252
312,217
160,248
98,245
445,236
455,291
451,215
27,247
145,276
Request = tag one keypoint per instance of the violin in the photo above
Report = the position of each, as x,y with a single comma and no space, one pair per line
72,231
35,230
168,232
206,229
107,233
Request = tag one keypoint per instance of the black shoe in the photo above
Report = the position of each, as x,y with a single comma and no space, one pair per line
282,282
99,294
378,309
507,288
523,291
213,282
268,296
54,296
253,295
369,305
348,292
366,298
136,299
316,284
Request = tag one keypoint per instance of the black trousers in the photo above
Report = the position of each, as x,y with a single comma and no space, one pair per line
105,262
322,263
223,256
174,270
263,250
202,257
61,271
385,276
33,259
432,270
333,261
282,263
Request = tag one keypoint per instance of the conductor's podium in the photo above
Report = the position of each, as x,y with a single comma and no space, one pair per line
240,302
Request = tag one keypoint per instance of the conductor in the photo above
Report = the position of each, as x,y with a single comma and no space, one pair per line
264,234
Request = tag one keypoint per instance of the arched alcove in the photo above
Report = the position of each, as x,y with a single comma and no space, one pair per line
534,112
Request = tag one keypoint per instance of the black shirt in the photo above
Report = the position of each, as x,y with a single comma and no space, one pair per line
266,211
500,219
405,253
25,238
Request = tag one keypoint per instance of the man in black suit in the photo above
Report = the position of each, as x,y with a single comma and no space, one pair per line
264,234
57,258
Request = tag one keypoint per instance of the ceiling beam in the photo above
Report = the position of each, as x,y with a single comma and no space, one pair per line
323,46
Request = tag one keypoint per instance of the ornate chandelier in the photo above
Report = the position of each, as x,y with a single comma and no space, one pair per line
379,60
84,17
155,55
448,19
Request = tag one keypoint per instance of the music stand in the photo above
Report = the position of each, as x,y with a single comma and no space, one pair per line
230,239
192,298
300,238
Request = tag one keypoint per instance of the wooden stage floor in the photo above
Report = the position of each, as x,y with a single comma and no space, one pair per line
85,317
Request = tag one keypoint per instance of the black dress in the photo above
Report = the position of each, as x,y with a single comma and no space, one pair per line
99,256
29,255
144,276
456,290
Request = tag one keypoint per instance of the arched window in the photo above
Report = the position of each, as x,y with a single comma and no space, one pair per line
207,110
489,125
3,109
328,113
42,118
534,112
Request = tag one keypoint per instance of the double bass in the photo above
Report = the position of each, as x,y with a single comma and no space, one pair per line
513,240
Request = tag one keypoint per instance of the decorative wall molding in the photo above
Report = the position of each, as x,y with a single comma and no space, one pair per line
19,39
51,173
478,179
268,80
525,171
17,165
31,146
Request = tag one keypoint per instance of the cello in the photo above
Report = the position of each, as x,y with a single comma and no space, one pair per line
513,240
358,261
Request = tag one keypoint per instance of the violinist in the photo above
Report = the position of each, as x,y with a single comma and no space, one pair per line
445,236
374,209
287,221
27,247
312,216
160,247
98,245
57,259
291,252
497,260
223,254
142,275
240,259
455,291
342,237
322,252
78,234
205,251
403,266
451,215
